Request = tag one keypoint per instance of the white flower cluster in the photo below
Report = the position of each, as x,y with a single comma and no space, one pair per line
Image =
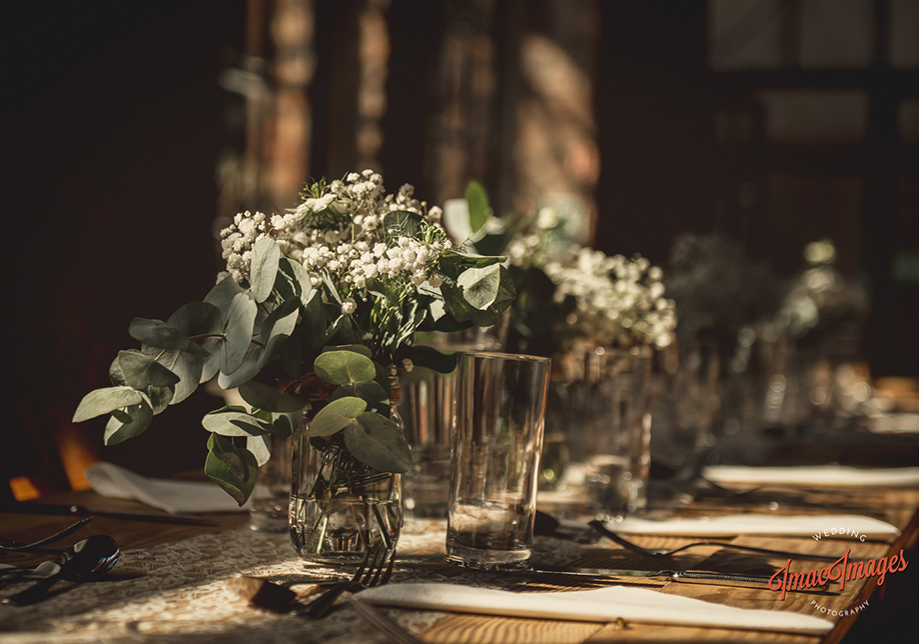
620,301
337,232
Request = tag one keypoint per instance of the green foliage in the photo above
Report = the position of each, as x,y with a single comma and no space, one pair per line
337,415
378,442
344,367
280,322
233,468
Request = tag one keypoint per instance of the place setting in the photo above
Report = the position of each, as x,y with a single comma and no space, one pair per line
418,435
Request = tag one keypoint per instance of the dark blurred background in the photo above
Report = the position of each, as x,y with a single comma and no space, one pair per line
133,130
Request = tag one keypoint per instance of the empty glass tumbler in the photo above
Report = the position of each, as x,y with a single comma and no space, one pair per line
498,432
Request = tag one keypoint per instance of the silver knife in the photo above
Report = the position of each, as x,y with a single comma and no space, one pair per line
27,507
695,576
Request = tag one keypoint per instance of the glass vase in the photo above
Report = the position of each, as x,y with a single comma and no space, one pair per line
340,507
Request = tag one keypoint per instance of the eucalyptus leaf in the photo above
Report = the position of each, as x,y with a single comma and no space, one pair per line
269,398
344,367
479,209
240,326
294,281
487,287
371,392
335,416
378,442
234,469
158,333
128,423
105,401
355,348
160,398
228,421
260,448
278,326
202,322
263,267
141,371
250,367
187,366
222,295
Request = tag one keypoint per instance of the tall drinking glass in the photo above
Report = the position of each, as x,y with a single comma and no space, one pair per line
427,415
500,416
619,431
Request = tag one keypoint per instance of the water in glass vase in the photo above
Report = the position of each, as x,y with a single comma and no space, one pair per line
339,507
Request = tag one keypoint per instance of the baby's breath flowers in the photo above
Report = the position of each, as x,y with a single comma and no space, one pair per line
617,301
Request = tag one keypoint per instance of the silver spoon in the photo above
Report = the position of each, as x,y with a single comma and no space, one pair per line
84,560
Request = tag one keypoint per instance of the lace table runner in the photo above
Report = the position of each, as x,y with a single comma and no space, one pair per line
179,591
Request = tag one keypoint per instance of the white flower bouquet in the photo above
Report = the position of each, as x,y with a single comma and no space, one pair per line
316,307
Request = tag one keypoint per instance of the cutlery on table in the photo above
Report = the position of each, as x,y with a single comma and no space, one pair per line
383,622
375,570
722,578
15,546
84,560
600,527
81,511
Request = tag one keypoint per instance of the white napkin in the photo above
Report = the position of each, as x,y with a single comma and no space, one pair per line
735,524
596,605
830,475
172,495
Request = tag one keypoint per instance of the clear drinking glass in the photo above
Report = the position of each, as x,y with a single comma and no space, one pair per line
427,415
497,438
618,431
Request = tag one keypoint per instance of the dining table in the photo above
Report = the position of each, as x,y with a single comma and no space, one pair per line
180,581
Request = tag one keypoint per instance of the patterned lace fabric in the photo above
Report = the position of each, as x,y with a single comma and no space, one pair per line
179,592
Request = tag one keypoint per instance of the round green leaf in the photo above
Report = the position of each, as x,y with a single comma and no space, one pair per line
378,442
157,333
105,401
335,416
344,367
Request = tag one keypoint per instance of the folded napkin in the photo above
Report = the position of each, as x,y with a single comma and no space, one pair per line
172,495
763,524
595,605
831,475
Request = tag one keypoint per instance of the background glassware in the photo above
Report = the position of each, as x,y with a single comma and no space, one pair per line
497,439
271,497
427,415
618,431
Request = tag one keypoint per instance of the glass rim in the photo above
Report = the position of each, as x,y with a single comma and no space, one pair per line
497,355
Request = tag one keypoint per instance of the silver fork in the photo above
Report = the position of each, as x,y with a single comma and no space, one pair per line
649,552
375,570
14,546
